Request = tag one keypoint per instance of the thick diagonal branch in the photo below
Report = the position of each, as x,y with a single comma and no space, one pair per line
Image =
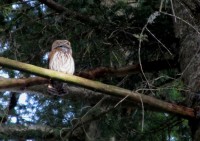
98,86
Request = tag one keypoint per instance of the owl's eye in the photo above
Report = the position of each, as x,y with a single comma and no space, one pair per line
61,46
68,43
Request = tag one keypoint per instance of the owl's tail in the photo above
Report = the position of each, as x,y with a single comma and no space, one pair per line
57,88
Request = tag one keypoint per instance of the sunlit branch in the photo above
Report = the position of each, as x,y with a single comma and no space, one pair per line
98,86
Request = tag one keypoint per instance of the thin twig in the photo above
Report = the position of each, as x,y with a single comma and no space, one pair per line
173,12
120,101
139,52
161,5
192,28
142,113
182,21
158,41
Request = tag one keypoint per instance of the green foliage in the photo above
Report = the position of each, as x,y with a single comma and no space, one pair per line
28,30
173,90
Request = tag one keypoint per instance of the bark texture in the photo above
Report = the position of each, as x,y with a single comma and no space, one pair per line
189,43
189,59
100,87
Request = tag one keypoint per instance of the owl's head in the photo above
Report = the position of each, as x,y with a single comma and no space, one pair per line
61,44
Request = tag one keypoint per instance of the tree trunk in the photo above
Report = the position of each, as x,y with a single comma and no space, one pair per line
189,53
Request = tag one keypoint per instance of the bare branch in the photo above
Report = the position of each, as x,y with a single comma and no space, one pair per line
60,9
23,83
98,86
132,69
18,130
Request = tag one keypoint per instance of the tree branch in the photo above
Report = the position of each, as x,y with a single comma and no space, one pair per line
60,9
132,69
23,83
98,86
37,85
32,130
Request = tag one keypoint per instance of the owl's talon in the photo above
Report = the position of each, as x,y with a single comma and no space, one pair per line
51,90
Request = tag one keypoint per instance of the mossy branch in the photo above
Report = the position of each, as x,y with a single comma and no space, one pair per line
98,86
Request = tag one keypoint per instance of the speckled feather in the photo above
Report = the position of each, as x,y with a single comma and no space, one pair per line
60,59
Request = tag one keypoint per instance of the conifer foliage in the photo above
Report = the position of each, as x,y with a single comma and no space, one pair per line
107,37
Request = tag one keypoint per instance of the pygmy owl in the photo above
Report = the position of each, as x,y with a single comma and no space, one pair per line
60,59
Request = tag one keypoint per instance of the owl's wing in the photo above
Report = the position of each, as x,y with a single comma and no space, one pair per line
51,54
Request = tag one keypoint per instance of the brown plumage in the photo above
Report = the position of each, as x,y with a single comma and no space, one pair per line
60,59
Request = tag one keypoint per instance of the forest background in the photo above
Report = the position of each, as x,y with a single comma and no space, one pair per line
141,58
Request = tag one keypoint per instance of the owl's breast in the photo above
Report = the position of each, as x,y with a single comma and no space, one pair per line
62,62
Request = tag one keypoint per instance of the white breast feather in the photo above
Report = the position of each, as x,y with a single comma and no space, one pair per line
66,65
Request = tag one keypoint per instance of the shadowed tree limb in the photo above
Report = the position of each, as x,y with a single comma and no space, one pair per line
131,69
98,86
95,73
61,9
75,93
32,130
23,83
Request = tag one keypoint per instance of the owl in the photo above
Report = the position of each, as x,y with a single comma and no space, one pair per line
60,59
